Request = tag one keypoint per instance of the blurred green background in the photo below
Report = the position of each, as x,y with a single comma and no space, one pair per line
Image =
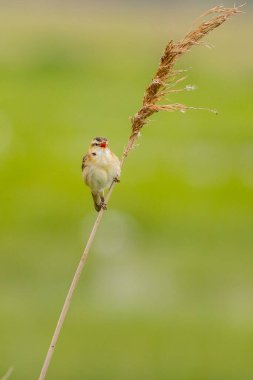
167,290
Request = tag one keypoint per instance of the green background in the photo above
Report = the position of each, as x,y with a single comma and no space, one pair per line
167,290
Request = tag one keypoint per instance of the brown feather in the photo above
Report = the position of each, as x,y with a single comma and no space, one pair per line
97,201
83,161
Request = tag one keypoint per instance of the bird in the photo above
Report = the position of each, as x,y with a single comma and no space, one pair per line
100,168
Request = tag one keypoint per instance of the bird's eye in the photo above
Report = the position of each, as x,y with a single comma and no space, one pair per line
97,144
94,154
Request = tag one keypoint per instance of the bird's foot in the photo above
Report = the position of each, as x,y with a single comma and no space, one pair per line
116,179
103,205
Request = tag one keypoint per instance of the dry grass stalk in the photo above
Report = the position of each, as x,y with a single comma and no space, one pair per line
8,374
155,92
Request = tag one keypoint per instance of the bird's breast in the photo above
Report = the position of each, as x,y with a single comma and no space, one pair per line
104,157
101,170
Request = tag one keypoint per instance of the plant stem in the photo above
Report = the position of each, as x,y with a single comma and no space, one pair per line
8,374
73,286
70,294
153,94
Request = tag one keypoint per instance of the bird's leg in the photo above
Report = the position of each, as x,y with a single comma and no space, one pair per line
103,204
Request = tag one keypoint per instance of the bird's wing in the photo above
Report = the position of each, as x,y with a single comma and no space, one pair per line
84,161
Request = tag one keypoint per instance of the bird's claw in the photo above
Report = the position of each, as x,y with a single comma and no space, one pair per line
116,179
103,205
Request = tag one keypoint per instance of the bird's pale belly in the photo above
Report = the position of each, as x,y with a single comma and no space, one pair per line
98,179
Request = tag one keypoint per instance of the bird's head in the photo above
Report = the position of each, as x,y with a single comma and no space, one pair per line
99,142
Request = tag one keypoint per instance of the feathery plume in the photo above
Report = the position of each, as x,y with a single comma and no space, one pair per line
165,73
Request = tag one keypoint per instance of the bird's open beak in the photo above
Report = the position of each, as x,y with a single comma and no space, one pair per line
103,145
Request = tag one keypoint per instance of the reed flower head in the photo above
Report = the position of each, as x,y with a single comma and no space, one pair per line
167,76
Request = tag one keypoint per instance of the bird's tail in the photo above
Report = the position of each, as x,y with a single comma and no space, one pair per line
97,201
